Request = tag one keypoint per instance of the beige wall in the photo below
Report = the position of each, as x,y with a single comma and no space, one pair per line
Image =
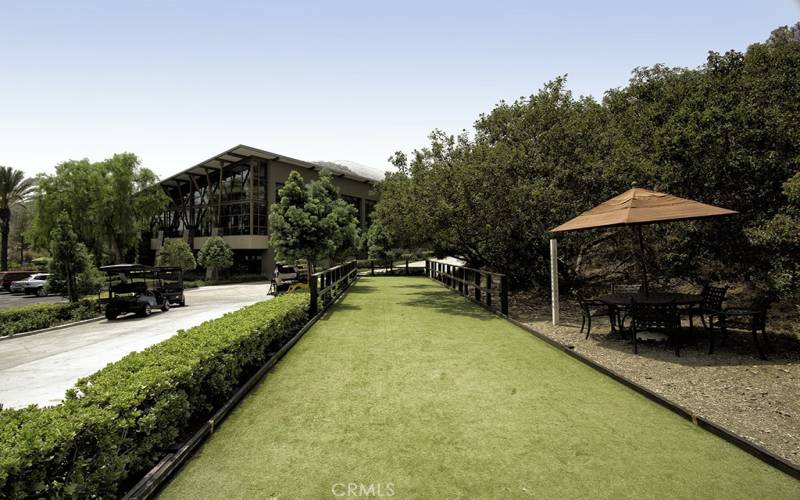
278,171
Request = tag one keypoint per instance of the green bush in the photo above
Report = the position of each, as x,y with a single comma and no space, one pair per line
117,423
37,316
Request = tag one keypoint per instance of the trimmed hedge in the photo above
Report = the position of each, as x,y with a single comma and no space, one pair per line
117,423
37,316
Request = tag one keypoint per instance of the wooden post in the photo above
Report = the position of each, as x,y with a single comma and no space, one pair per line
312,287
489,290
477,285
504,294
406,267
643,260
372,267
556,310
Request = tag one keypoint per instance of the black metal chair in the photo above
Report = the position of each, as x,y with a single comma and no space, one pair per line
753,318
711,306
664,318
591,309
620,313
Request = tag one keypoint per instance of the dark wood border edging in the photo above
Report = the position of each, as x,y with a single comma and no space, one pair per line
743,443
160,474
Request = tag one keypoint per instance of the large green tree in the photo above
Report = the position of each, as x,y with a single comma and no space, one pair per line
108,203
311,222
14,190
72,265
725,133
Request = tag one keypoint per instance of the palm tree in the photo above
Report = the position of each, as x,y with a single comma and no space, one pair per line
14,189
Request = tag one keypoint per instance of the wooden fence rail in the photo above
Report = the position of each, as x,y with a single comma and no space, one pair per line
477,284
326,285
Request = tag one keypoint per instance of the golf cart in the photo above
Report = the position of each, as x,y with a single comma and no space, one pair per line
172,284
288,278
136,288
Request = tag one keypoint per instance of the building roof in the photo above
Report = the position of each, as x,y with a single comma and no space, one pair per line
641,206
241,152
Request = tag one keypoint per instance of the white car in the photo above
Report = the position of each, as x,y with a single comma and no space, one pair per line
32,285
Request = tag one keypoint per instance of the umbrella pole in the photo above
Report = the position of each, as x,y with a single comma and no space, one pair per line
642,259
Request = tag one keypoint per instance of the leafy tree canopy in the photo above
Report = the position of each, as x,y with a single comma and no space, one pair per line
72,266
108,204
311,222
14,190
176,253
215,255
725,133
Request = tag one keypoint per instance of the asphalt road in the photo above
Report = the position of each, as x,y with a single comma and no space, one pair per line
40,368
17,299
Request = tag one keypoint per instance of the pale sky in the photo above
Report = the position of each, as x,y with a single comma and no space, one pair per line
177,81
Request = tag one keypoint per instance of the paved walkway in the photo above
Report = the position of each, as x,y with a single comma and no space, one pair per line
405,389
40,368
19,300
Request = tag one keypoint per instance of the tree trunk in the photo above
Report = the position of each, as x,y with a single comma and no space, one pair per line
5,228
4,249
117,252
72,294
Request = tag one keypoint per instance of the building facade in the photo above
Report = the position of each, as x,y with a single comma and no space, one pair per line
230,196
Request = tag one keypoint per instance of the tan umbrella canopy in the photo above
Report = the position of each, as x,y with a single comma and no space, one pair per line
636,207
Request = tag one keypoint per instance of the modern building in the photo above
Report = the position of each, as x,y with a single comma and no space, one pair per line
230,194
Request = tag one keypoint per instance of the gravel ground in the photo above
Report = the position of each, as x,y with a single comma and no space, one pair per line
759,400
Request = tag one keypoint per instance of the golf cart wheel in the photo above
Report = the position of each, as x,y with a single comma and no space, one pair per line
146,310
111,315
41,292
165,306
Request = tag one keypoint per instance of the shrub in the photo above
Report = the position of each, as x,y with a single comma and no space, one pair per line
176,253
215,255
41,263
117,423
37,316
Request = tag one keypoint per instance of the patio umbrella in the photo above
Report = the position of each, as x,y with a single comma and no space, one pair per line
637,207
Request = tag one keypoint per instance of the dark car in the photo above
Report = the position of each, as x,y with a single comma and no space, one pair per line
8,277
136,288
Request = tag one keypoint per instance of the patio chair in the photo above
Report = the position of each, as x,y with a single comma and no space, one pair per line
620,313
753,318
591,309
663,318
713,297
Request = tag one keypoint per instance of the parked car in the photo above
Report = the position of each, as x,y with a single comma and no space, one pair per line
287,278
33,285
8,277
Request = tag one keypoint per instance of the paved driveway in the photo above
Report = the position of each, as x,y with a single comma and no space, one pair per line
17,299
40,368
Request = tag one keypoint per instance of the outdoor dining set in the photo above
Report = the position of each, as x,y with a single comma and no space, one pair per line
631,311
650,310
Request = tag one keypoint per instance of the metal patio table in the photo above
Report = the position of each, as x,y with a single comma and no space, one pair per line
624,299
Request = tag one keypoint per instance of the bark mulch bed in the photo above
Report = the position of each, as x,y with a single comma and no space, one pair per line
759,400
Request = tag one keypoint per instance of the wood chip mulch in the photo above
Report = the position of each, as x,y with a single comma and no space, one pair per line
756,399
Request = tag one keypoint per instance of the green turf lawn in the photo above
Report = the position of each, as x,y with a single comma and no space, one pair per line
404,382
